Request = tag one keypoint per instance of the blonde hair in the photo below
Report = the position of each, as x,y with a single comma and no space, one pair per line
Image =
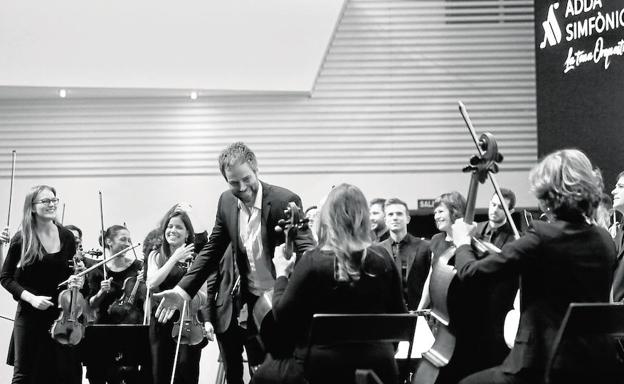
344,228
32,250
567,185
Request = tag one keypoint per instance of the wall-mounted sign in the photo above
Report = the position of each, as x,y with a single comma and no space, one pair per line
425,203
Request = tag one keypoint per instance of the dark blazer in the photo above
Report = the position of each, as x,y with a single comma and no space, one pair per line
418,264
504,234
225,232
559,263
618,278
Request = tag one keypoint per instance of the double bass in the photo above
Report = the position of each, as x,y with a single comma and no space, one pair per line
443,274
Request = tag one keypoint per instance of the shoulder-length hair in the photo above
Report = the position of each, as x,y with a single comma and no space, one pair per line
31,245
454,202
165,249
567,185
344,228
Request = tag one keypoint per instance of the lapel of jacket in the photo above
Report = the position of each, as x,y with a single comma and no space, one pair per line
266,211
618,242
234,230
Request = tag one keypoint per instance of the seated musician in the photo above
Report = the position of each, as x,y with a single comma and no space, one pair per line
104,292
343,274
166,266
566,260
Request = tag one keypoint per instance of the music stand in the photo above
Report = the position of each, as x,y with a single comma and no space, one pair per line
337,329
584,324
123,350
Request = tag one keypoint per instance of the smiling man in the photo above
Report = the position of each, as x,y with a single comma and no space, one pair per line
247,214
411,254
618,205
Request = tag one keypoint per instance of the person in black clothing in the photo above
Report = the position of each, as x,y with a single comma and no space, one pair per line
411,254
38,259
379,230
343,274
499,293
569,259
166,267
103,293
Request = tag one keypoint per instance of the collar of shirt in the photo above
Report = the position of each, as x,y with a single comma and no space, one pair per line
257,203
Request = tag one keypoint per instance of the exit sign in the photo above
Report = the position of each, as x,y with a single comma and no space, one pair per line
425,203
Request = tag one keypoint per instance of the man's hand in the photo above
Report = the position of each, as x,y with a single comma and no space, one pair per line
209,330
170,301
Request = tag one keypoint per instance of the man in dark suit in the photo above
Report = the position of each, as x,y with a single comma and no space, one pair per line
618,205
247,215
411,254
379,229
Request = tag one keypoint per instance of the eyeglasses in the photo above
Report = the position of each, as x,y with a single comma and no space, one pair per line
47,201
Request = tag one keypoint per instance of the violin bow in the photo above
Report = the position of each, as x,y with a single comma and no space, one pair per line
100,263
13,159
102,231
146,303
175,357
464,113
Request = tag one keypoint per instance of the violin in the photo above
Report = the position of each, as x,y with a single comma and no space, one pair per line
68,328
262,312
443,275
188,329
128,309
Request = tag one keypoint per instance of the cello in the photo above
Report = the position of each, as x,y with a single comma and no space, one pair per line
443,274
262,313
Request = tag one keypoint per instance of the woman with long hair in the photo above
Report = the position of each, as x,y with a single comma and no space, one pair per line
345,273
38,259
166,267
568,259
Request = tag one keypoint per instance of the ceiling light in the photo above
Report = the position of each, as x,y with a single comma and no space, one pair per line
62,93
194,95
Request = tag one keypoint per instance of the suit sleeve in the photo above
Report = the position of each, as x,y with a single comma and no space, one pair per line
7,277
512,258
292,297
206,265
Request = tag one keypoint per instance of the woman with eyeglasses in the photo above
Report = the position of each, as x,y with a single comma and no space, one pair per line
38,259
103,293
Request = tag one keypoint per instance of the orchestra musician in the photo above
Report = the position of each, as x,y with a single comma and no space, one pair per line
38,259
166,267
246,217
618,237
566,260
345,273
102,293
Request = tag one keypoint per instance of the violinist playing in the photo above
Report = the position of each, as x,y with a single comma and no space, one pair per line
569,259
38,259
166,267
104,292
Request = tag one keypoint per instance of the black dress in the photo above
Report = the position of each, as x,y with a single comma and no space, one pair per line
313,289
37,357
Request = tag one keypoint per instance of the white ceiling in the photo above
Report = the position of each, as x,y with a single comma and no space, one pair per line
152,48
